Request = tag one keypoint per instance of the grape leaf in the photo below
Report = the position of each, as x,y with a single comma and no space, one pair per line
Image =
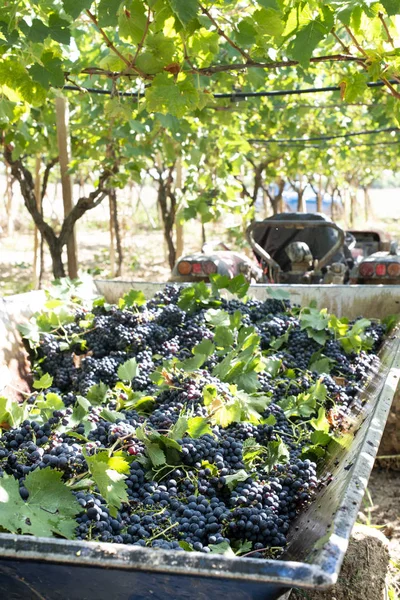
217,317
75,7
111,484
59,29
156,454
391,6
221,548
205,347
232,480
46,405
320,422
43,383
278,453
192,364
11,413
132,21
165,95
37,32
179,429
198,426
223,337
322,365
50,509
278,294
108,13
185,11
50,72
128,370
97,393
132,298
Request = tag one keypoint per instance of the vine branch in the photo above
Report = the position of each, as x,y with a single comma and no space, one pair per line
222,33
386,28
142,40
112,47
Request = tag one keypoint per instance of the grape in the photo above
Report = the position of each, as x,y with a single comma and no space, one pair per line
210,492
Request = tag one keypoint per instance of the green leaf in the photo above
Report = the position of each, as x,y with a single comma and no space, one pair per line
270,21
186,546
192,364
319,438
217,317
307,39
111,484
353,86
243,547
278,293
132,298
12,413
59,29
205,347
43,383
37,32
50,509
132,21
198,426
48,404
97,393
278,453
223,337
221,548
128,370
185,11
272,365
120,462
391,7
238,285
156,454
235,478
179,429
322,365
108,13
210,393
165,95
320,422
75,7
50,73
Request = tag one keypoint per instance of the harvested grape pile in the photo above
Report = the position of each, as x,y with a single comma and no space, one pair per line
188,422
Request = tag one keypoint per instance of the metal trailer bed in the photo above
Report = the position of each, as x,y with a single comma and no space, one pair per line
55,569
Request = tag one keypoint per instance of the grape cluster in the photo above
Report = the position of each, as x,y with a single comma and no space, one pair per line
212,491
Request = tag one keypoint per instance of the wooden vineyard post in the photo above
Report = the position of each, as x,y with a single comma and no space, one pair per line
180,241
66,184
36,239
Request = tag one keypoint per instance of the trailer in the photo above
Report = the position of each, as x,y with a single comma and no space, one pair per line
54,569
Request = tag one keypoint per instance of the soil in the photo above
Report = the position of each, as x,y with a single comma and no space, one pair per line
371,569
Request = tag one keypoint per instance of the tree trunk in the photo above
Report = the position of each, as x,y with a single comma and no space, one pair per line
9,202
63,149
37,236
56,251
367,204
300,200
180,241
115,235
166,200
353,208
320,195
55,243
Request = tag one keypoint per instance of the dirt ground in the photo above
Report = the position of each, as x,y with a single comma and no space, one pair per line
381,508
